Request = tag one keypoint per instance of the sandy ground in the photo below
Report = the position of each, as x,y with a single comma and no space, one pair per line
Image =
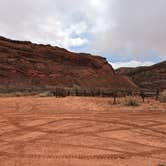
77,131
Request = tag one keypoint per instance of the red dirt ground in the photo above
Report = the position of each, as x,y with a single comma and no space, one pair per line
77,131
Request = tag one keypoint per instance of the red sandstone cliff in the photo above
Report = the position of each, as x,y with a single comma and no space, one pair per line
152,77
25,65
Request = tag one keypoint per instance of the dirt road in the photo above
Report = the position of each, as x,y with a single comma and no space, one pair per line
76,131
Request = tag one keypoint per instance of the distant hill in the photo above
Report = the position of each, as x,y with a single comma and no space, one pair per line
152,77
24,65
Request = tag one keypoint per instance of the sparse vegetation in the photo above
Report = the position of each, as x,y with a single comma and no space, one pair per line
162,97
131,101
142,94
45,94
161,165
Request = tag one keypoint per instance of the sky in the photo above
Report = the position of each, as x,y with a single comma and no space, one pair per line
126,32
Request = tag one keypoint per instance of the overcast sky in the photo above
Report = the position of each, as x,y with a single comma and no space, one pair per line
126,32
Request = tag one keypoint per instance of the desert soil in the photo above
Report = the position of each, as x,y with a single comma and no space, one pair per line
77,131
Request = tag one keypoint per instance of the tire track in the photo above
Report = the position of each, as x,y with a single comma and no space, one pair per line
85,157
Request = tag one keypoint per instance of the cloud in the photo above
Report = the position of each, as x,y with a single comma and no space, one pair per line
41,21
126,30
133,28
117,65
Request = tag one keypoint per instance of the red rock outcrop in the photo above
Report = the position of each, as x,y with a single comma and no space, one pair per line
27,65
152,77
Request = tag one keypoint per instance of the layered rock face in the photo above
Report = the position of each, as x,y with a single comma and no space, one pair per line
24,65
152,77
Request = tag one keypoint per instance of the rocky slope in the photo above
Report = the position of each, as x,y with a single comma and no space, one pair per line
24,65
152,77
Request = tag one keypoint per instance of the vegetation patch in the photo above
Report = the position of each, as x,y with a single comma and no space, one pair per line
131,101
162,97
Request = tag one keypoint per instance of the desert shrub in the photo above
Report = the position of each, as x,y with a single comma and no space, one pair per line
60,92
162,97
161,165
131,101
45,94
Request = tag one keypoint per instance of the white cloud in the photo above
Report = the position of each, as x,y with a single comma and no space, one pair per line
47,22
75,42
133,28
130,29
117,65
